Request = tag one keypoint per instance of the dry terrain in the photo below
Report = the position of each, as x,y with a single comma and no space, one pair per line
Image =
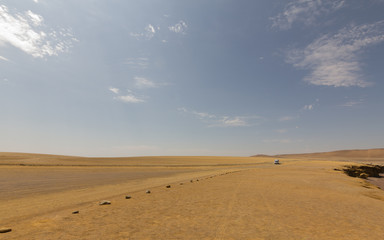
208,198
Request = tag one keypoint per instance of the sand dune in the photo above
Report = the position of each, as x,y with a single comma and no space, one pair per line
361,154
55,160
235,198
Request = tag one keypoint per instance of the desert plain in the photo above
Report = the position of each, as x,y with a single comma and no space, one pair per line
304,197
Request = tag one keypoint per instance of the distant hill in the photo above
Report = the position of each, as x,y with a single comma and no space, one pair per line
377,153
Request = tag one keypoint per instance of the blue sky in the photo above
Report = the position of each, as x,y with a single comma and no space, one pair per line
170,77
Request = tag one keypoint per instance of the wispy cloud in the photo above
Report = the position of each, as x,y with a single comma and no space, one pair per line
334,59
305,11
287,118
4,59
137,63
222,121
311,106
353,103
141,82
114,90
237,121
200,115
128,98
180,27
25,31
148,33
308,107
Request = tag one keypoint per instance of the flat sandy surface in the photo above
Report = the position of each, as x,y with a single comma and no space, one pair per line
236,198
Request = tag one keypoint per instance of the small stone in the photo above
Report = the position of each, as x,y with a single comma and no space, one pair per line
128,197
168,186
181,183
75,212
363,175
5,230
105,202
191,181
148,191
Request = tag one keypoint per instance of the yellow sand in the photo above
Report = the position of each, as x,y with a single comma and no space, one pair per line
235,198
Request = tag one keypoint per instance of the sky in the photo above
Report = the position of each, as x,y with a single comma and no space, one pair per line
171,77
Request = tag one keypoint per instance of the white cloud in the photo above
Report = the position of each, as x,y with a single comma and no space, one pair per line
35,19
4,59
148,34
333,59
305,11
129,99
200,115
150,31
311,106
137,63
114,90
180,27
26,32
233,122
222,121
142,82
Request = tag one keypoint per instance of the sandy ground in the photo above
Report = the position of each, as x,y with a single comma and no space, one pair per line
253,199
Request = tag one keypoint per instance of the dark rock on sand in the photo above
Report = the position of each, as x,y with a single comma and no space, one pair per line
148,191
75,212
364,171
168,186
5,230
105,202
363,175
128,197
